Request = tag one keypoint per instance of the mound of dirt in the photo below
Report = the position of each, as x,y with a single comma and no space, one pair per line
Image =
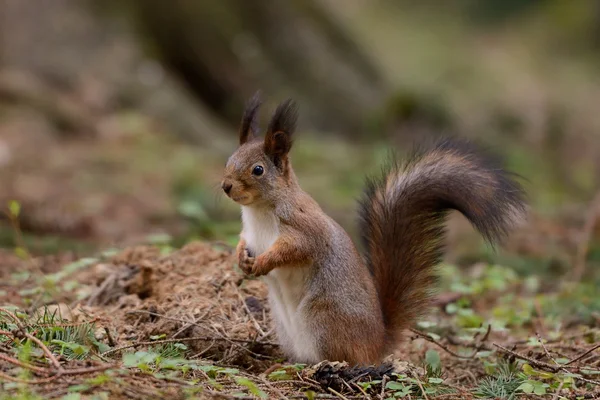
194,292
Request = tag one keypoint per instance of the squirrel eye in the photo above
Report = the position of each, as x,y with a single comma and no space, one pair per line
258,170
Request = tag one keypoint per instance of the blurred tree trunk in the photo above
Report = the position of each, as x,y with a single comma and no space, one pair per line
225,50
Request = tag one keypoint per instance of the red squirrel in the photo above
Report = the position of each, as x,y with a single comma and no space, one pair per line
328,301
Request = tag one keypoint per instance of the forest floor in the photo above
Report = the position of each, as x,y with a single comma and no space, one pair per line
87,312
152,321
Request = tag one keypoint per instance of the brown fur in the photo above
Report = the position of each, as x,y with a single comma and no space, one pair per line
354,310
403,215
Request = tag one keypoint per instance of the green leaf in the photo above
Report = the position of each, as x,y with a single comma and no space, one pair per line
76,348
483,354
526,387
99,380
528,370
539,390
451,308
14,207
367,385
130,360
180,346
139,359
394,385
158,337
279,375
310,395
255,390
400,390
21,253
229,371
436,380
467,318
432,358
544,374
590,372
79,388
426,324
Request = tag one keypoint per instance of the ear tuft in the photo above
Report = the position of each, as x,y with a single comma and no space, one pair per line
285,118
249,126
278,140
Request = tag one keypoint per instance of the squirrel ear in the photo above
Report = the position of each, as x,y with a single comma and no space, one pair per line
278,140
249,126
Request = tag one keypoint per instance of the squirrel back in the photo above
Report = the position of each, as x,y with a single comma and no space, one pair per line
403,214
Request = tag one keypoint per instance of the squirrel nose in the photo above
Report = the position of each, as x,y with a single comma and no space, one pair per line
226,187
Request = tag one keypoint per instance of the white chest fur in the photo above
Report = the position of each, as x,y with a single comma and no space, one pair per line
287,286
261,229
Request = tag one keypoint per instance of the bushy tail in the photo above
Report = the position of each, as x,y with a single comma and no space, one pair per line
403,214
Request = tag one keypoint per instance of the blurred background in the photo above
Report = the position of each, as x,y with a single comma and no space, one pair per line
117,117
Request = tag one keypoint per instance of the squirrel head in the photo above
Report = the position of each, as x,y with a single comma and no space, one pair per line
259,170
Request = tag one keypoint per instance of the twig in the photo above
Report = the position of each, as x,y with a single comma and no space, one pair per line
111,279
273,388
153,342
459,389
23,364
46,351
485,337
545,349
254,322
356,385
583,355
87,370
183,328
64,325
383,382
338,394
555,397
542,364
446,349
163,316
297,382
202,352
10,335
592,215
234,344
537,363
587,380
111,341
191,339
75,371
34,339
12,316
28,381
418,383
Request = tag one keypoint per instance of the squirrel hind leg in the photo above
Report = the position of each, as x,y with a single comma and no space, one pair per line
358,341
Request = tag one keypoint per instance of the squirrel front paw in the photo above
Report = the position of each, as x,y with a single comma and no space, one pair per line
250,265
246,262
